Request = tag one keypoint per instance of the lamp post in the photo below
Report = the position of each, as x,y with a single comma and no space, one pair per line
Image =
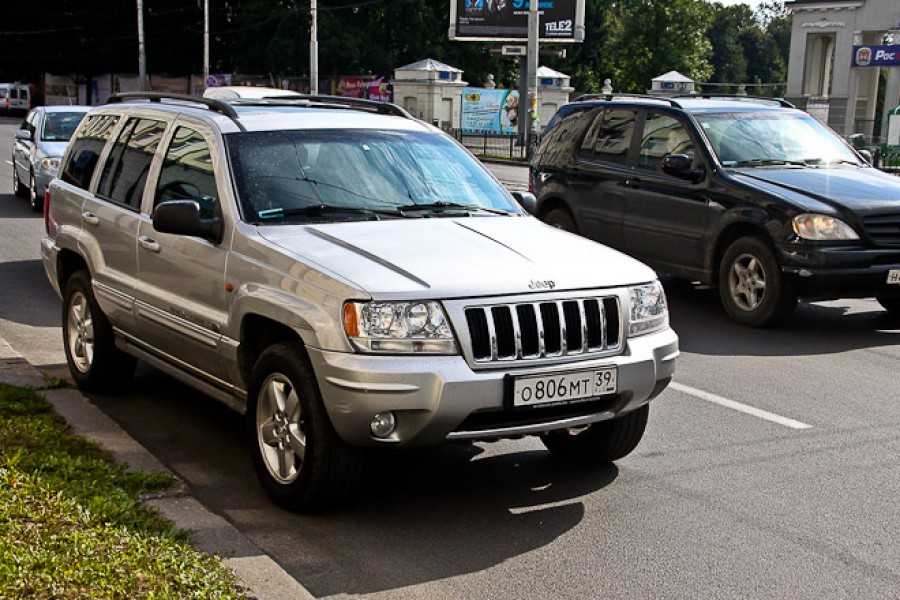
142,53
205,41
313,49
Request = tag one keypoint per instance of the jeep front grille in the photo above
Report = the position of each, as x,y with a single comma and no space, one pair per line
536,330
883,229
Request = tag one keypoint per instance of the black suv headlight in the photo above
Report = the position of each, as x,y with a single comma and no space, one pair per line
810,226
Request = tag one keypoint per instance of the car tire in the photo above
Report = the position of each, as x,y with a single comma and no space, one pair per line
751,286
561,219
892,305
18,188
37,202
299,458
599,443
94,361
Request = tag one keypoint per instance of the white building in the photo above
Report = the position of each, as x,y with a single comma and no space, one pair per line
821,78
431,91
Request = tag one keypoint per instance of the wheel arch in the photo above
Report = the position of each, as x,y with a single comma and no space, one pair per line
727,236
258,332
67,263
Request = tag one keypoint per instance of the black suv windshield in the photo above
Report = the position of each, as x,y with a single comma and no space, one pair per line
364,173
771,138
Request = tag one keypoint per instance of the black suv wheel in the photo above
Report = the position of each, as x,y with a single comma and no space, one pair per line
751,286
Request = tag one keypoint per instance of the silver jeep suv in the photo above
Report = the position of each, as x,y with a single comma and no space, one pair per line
347,276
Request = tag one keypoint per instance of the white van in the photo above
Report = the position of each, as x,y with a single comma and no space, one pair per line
14,97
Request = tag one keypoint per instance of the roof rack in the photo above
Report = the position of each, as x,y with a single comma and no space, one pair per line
211,103
781,101
326,101
614,96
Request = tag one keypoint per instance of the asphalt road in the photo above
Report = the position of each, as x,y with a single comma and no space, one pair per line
768,470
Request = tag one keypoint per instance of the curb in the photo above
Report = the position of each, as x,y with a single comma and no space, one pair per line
260,575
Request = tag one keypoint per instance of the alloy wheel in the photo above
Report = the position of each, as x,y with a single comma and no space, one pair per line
280,428
80,332
747,282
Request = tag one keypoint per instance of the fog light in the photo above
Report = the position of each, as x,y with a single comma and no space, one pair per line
383,424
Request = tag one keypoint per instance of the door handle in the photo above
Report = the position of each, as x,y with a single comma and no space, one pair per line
149,243
90,218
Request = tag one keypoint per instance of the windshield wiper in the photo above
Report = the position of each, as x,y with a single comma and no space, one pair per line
317,210
764,162
442,205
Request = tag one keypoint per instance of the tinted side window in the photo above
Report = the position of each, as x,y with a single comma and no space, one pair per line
566,131
86,149
609,137
125,172
187,172
663,135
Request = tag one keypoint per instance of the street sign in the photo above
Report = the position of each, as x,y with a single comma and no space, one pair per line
514,50
211,81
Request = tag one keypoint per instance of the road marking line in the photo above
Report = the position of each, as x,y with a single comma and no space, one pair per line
756,412
9,162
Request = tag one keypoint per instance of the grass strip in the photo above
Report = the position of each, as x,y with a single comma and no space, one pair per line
72,525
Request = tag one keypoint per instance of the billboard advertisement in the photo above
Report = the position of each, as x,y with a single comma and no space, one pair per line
507,20
364,87
490,111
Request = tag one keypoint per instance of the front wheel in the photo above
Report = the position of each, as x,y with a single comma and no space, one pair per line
751,286
601,442
94,361
299,458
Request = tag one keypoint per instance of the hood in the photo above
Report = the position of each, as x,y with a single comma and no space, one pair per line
457,257
853,188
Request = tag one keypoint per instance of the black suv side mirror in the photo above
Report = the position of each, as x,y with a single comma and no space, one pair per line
682,166
182,217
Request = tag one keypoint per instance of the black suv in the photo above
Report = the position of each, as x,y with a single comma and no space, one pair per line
748,194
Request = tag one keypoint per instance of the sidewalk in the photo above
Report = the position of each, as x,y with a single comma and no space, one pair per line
263,578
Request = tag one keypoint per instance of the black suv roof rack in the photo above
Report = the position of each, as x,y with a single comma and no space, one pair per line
211,103
615,96
325,101
742,98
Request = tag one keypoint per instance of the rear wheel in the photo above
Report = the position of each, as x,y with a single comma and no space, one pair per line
37,202
599,443
561,219
94,361
299,458
892,305
751,285
18,188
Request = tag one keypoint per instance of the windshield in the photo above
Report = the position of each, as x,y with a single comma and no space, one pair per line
305,174
773,138
59,126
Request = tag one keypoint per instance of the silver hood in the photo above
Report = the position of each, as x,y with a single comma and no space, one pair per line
457,257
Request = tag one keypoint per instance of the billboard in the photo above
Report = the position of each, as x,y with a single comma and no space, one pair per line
364,87
507,20
490,111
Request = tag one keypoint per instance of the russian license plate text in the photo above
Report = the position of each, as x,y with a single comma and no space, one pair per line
564,387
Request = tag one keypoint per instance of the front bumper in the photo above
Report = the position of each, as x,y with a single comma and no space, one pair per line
828,273
441,398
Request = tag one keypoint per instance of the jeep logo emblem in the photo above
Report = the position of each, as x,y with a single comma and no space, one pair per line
546,284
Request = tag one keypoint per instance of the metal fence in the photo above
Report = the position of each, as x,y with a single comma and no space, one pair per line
485,144
887,161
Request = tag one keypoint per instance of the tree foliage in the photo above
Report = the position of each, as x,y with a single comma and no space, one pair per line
627,41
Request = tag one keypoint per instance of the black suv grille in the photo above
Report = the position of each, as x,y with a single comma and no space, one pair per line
544,329
883,229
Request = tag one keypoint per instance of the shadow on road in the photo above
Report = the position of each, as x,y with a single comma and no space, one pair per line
422,515
814,328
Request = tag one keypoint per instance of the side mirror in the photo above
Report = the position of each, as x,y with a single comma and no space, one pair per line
682,166
527,200
182,217
867,156
24,135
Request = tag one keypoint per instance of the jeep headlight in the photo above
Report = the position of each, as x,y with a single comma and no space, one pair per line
399,327
822,228
647,308
50,165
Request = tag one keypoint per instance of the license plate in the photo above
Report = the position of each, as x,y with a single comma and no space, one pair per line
893,277
564,387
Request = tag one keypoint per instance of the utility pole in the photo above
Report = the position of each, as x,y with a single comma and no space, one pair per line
205,41
532,67
142,53
313,49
